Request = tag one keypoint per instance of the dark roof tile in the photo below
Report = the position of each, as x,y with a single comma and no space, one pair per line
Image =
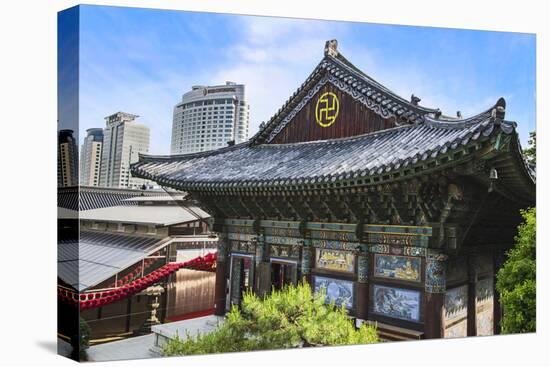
280,164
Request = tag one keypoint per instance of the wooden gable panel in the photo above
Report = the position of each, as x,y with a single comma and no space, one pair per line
352,118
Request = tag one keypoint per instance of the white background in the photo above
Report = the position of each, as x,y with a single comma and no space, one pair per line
28,181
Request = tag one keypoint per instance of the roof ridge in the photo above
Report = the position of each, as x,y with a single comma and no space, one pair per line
376,84
190,155
496,111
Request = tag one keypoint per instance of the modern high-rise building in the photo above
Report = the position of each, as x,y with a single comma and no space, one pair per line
123,140
209,117
67,159
90,157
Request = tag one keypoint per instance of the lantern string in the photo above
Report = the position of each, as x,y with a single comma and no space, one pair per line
91,300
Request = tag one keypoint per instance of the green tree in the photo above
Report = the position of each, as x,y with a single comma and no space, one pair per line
81,341
291,318
516,280
530,153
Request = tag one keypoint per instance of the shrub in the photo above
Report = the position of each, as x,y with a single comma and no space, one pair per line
516,280
291,318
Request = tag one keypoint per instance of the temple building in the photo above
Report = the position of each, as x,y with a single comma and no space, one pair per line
121,252
400,213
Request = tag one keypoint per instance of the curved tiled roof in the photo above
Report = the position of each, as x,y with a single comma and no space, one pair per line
88,197
319,161
98,256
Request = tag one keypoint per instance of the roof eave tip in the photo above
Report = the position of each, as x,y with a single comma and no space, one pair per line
331,48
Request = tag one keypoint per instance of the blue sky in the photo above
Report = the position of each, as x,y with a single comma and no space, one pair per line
142,60
67,65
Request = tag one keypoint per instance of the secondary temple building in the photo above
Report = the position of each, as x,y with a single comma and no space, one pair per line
401,213
110,240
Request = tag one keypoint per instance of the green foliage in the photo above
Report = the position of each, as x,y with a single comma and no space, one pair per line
516,280
291,318
84,333
81,341
530,153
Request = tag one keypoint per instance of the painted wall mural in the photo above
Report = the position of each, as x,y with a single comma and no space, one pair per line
396,302
484,307
455,311
338,291
335,260
397,267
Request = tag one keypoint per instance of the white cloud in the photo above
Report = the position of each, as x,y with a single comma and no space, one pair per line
273,58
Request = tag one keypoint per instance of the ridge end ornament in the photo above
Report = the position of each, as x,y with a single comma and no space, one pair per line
331,48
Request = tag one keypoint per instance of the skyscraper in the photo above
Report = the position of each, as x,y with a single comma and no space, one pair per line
90,157
208,117
123,140
67,159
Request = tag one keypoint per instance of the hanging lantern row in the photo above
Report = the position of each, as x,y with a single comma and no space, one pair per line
98,299
135,274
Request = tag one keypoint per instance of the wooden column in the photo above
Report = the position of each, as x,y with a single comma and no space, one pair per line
362,286
263,267
220,293
472,280
308,256
434,313
435,288
264,271
128,313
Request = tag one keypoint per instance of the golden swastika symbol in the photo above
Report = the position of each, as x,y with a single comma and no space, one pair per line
327,109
